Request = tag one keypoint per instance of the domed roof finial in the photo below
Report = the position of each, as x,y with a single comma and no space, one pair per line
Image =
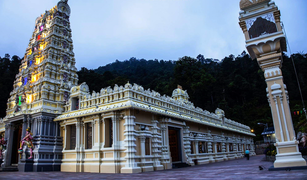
181,95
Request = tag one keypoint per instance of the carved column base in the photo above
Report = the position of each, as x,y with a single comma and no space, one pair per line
288,155
25,165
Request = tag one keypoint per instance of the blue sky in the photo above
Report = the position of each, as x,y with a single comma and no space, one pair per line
104,31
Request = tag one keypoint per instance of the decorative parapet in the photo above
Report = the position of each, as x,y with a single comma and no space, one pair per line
123,97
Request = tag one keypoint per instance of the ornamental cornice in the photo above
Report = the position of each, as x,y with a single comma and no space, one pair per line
149,101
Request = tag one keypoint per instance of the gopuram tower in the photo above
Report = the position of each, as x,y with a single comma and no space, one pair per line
40,92
265,40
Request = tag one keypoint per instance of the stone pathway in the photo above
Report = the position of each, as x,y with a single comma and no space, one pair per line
233,169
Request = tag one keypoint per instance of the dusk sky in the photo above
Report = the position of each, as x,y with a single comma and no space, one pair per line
103,31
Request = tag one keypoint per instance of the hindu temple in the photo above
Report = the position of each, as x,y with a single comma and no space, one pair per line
53,123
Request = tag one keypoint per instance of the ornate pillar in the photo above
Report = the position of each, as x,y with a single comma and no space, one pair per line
142,140
234,150
187,144
93,133
44,126
98,132
49,126
29,119
210,148
24,126
115,131
78,134
196,143
131,165
266,42
65,137
77,148
165,159
156,145
224,147
215,147
39,126
227,147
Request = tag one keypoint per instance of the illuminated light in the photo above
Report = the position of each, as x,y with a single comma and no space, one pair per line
41,47
252,130
34,78
29,99
42,27
30,52
38,37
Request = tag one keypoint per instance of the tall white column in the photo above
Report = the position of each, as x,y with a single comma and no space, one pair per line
269,51
142,140
115,132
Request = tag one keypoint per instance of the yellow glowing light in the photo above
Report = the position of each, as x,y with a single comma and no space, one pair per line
34,78
30,52
29,99
38,60
252,130
41,47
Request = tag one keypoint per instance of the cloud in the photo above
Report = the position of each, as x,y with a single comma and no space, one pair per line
104,31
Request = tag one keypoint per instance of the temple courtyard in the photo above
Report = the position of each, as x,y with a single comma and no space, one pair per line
233,169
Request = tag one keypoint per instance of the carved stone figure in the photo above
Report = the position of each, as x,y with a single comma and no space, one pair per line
2,146
27,140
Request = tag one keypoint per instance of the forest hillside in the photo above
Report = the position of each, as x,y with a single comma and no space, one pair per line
235,84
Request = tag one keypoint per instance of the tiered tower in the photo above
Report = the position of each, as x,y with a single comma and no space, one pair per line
41,90
265,40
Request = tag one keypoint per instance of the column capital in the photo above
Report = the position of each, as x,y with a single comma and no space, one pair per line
142,138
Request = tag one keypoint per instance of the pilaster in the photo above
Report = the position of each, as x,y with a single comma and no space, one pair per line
129,133
187,145
165,159
156,145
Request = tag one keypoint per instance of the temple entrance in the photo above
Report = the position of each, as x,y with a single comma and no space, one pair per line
16,142
175,144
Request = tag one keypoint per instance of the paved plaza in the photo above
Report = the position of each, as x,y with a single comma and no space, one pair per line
233,169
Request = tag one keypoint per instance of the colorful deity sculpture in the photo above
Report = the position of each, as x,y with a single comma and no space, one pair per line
27,140
2,145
